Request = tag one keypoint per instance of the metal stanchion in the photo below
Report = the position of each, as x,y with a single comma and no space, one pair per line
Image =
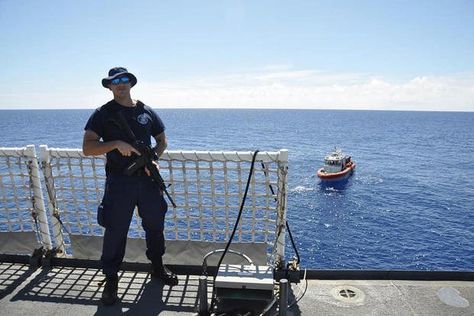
283,307
202,292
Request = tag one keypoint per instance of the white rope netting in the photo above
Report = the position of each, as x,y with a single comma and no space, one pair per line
208,189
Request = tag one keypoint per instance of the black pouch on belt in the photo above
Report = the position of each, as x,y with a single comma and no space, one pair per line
101,214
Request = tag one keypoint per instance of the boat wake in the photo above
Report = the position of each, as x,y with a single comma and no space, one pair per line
301,189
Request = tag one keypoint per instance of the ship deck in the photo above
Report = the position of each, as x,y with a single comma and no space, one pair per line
69,290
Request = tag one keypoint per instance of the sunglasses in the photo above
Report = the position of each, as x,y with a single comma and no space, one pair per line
117,81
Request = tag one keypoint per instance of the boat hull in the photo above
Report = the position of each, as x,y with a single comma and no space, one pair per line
336,176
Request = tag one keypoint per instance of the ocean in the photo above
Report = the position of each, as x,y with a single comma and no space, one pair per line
408,206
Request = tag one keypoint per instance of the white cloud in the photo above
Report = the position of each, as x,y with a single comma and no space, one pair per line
276,87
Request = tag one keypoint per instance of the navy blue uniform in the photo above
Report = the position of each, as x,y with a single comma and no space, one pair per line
123,193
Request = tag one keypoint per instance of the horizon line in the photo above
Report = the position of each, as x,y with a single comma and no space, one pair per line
249,108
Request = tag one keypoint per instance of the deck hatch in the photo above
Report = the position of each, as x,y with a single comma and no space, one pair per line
346,293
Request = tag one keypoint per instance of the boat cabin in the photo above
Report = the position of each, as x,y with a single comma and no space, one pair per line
336,161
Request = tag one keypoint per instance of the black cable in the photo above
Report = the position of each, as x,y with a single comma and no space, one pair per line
213,300
293,243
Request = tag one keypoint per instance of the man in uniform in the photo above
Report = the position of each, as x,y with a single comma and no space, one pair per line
124,192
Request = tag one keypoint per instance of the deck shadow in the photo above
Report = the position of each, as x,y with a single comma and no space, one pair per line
12,275
139,295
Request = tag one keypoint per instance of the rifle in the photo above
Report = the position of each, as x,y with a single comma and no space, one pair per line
146,158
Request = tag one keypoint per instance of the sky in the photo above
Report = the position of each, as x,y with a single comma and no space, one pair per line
361,54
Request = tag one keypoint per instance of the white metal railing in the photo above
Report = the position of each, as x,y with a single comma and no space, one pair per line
207,187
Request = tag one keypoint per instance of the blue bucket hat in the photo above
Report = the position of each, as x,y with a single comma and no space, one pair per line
119,72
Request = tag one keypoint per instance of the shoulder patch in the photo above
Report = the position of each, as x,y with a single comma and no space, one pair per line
144,118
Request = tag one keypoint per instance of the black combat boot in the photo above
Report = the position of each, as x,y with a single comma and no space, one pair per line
109,295
160,271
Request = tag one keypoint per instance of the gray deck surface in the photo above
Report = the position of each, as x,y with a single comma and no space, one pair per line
75,291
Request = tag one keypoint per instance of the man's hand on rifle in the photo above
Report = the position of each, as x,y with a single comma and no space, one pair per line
125,148
148,173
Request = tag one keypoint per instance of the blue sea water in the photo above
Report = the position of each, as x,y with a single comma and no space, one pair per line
409,205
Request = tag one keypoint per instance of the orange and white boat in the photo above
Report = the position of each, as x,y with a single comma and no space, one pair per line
337,166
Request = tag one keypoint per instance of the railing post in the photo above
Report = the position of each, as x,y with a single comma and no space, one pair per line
283,306
51,196
38,200
282,196
202,296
